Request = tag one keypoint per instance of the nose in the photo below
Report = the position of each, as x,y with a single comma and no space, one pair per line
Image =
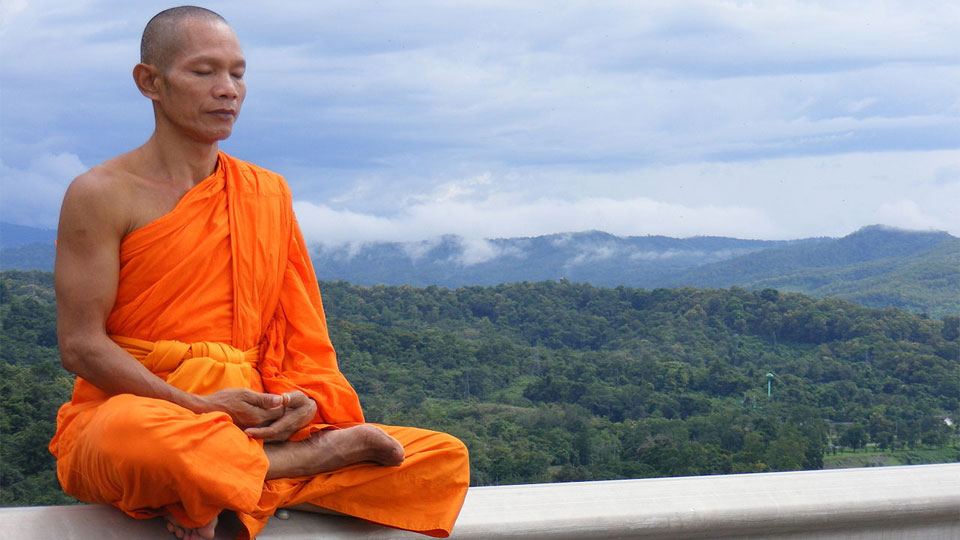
228,87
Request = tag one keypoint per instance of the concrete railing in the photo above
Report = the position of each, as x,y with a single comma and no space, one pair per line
912,502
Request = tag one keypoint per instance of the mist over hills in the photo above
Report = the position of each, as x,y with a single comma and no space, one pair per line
876,266
596,257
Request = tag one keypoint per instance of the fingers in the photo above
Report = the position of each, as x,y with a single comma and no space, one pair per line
277,431
246,407
268,401
268,433
271,417
294,398
297,414
301,401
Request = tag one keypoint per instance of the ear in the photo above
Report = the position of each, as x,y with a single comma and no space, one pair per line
147,78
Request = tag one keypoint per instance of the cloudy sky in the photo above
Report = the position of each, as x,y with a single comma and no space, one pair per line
404,120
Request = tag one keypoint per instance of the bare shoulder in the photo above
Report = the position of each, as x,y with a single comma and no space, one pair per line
96,202
104,183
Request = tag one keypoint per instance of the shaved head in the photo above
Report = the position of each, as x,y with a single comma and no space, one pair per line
161,40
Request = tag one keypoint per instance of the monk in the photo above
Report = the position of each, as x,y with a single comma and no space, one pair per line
189,311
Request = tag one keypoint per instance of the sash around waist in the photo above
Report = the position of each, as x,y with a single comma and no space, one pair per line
203,367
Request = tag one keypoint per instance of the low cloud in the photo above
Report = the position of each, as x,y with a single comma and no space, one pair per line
591,253
476,251
503,217
660,255
419,250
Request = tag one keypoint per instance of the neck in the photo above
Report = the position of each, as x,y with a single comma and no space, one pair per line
181,161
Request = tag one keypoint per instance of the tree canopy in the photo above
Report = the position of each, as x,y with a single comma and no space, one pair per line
553,381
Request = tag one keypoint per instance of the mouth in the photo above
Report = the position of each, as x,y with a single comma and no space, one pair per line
225,113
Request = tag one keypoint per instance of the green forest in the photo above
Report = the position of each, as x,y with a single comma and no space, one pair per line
559,381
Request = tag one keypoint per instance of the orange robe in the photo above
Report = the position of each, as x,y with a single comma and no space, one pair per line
220,293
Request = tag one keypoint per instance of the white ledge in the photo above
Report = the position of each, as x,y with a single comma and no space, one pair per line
911,502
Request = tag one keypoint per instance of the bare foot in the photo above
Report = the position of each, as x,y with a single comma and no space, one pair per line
327,451
200,533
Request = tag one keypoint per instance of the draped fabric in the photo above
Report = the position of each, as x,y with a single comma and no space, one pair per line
220,293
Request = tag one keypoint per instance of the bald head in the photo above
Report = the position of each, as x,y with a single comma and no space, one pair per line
161,38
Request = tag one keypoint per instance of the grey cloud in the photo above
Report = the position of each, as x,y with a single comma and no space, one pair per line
367,107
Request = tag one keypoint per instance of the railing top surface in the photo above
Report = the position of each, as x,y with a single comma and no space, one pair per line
690,507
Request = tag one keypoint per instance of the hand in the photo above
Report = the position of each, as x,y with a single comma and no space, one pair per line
298,411
246,407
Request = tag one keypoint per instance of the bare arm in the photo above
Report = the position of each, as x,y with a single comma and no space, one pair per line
86,275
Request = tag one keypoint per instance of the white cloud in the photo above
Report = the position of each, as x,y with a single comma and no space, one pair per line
323,225
477,250
418,250
766,199
907,214
405,121
591,253
498,217
668,254
32,195
457,190
948,175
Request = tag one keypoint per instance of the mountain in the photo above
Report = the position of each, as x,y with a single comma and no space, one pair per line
26,248
935,272
859,252
17,235
876,266
595,257
38,256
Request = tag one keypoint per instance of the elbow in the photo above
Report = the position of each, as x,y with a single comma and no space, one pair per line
69,356
74,353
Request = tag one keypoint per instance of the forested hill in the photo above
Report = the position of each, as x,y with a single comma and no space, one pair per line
876,267
562,381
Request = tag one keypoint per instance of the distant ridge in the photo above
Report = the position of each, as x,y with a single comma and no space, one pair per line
876,266
17,235
26,248
596,257
37,256
869,244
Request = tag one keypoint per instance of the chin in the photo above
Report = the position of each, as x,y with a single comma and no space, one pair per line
216,136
